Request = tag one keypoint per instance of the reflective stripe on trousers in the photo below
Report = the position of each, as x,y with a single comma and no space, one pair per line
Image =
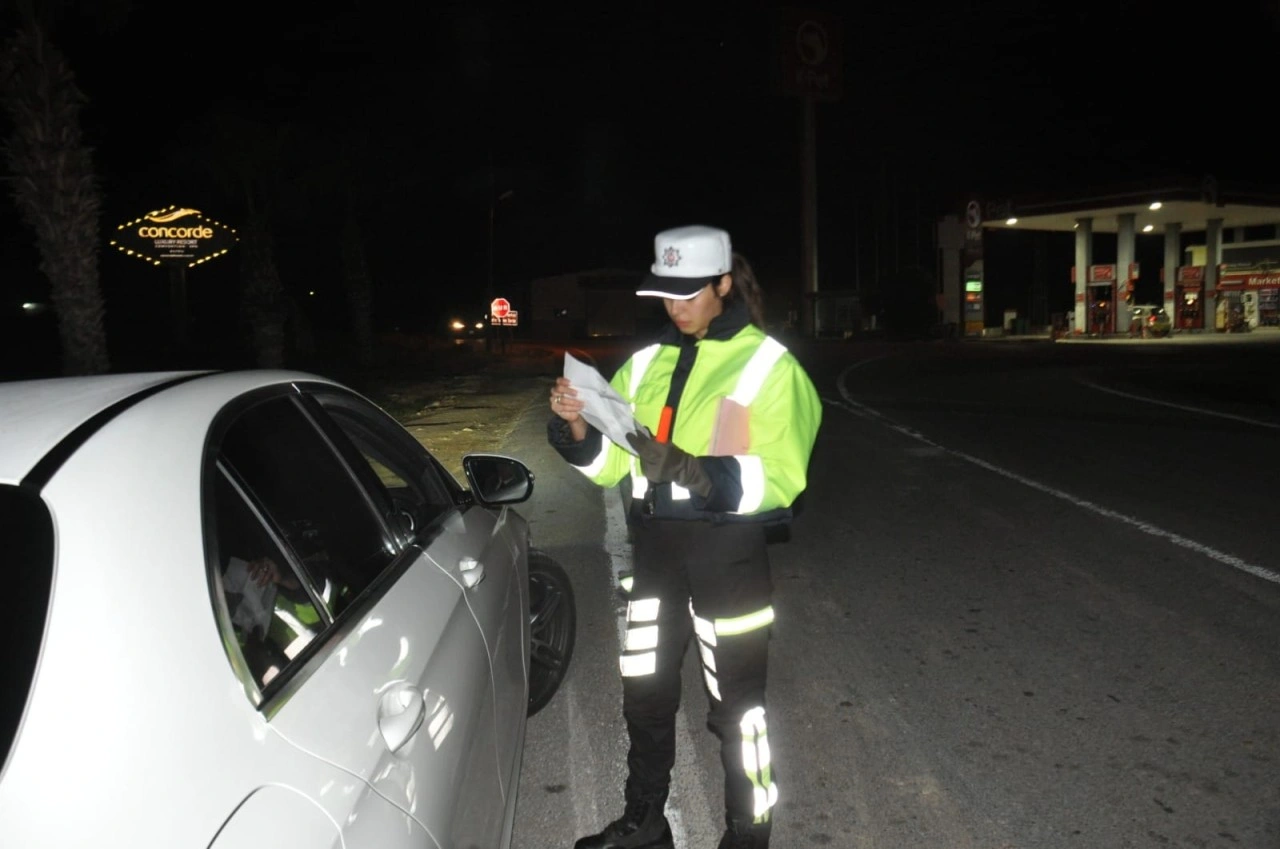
709,582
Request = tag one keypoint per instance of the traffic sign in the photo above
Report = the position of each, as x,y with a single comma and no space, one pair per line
500,307
811,54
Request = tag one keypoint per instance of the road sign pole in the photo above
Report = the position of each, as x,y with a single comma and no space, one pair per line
178,303
809,219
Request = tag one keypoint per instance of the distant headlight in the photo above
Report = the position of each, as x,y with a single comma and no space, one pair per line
479,325
457,324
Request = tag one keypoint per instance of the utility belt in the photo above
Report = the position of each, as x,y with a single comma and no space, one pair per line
658,504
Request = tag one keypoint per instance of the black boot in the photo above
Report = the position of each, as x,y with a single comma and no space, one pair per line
745,835
642,826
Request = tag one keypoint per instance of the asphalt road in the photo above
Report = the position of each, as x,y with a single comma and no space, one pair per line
1032,600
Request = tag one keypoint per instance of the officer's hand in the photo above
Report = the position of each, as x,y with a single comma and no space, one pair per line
663,462
564,400
565,404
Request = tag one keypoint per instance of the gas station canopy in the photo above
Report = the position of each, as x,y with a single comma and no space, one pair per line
1190,203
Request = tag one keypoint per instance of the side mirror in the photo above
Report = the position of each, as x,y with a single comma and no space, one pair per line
496,479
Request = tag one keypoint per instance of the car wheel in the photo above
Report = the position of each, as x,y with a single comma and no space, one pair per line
553,619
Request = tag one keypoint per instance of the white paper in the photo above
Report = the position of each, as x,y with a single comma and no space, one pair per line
605,409
256,605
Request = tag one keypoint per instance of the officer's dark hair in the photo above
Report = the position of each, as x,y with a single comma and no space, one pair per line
746,289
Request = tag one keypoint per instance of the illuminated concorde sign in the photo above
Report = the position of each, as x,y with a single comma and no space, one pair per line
174,236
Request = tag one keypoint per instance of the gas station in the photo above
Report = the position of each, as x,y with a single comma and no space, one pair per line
1221,254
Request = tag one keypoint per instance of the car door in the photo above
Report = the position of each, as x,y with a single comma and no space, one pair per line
502,609
379,666
475,547
480,549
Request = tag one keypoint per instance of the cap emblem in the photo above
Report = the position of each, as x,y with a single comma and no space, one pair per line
671,257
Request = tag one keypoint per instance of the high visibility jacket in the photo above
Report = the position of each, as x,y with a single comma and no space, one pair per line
734,360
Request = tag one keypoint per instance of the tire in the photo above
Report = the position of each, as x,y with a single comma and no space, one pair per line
553,619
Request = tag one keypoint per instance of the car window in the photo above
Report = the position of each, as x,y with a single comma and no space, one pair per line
400,468
27,531
308,492
270,612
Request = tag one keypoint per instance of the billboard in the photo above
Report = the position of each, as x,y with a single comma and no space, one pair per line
174,236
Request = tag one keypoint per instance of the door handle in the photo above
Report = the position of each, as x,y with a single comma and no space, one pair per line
400,715
472,571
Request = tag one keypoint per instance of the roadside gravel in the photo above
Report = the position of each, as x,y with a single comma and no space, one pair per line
466,401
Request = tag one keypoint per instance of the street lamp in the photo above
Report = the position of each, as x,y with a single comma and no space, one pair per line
493,214
494,200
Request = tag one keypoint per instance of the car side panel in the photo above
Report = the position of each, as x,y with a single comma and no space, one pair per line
277,815
418,641
502,609
135,683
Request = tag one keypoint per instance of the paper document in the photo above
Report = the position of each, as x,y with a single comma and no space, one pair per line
605,409
256,605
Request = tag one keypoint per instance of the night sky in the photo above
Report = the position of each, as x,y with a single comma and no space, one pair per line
607,122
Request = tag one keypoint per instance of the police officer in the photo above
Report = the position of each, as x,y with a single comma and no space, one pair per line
732,418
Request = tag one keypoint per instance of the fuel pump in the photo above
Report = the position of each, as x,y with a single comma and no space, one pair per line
1102,299
1188,298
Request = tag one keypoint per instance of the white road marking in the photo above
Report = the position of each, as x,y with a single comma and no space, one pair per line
1184,407
847,403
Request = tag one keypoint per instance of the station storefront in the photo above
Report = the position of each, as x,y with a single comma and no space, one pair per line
1247,299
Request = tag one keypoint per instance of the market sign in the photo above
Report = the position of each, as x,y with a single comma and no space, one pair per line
1250,280
174,236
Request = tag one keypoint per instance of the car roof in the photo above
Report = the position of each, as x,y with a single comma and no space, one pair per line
37,415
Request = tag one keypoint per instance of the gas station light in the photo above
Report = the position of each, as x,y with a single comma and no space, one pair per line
1148,228
1155,206
1011,222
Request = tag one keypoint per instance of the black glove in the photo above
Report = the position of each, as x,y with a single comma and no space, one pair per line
663,462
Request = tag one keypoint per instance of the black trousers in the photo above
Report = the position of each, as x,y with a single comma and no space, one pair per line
708,582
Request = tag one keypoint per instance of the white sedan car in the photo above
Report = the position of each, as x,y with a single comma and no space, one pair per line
248,609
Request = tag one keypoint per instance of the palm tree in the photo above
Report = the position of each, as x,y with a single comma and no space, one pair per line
243,155
359,284
56,189
263,303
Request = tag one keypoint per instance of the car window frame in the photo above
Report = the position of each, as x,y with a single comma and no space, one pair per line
257,692
449,494
270,698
